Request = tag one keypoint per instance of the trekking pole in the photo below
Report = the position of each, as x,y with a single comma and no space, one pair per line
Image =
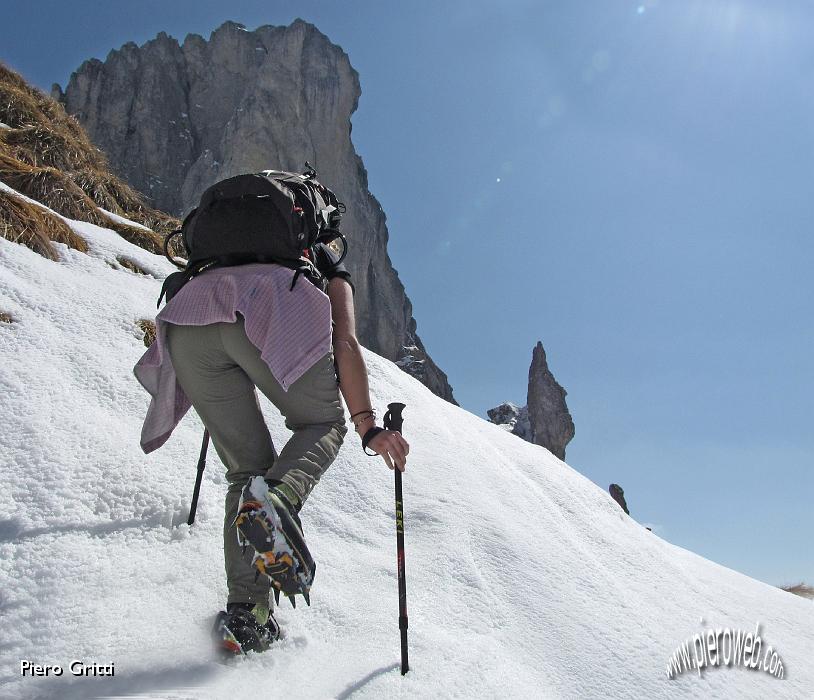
201,467
393,421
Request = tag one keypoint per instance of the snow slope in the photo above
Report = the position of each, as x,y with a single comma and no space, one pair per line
524,579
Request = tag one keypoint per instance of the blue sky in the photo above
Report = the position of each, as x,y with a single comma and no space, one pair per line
629,182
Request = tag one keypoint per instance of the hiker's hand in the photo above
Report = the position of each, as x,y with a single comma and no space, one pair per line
392,447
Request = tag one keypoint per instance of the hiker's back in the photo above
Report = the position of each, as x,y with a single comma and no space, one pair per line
268,217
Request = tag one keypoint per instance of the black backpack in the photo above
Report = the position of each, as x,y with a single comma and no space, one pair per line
271,217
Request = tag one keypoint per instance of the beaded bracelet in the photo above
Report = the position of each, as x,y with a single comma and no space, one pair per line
370,414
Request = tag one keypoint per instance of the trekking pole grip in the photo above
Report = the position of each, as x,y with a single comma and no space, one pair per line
393,421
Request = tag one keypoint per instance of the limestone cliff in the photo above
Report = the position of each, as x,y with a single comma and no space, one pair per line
174,118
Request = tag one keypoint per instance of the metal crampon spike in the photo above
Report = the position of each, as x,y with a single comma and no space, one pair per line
293,600
243,548
307,599
276,596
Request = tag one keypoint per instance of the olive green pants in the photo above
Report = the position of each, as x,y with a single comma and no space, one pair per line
218,367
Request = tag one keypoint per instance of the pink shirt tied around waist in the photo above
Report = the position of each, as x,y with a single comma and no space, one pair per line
291,328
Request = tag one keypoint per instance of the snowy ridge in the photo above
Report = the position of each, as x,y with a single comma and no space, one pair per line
524,579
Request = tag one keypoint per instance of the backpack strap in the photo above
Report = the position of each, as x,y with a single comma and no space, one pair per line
167,254
173,283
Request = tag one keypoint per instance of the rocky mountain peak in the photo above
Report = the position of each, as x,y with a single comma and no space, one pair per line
175,118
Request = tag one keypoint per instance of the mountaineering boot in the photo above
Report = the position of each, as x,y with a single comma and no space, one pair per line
244,627
267,520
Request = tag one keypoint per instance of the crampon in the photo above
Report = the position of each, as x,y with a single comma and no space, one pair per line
267,524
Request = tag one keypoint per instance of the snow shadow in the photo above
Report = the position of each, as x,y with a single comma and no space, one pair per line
13,530
358,685
179,682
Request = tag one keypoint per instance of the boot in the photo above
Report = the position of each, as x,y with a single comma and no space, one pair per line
268,521
245,627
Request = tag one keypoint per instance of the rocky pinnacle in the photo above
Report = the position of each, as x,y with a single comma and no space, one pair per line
545,419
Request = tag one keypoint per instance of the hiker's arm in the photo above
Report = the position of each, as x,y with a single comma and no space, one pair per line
353,384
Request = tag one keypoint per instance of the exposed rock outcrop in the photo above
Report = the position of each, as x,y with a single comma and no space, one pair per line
618,495
174,118
545,419
551,423
513,418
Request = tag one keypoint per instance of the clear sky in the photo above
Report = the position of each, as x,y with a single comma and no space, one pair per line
629,182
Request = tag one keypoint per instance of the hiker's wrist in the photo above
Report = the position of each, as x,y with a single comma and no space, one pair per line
368,438
363,419
365,423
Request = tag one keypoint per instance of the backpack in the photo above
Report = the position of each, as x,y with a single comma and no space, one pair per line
270,217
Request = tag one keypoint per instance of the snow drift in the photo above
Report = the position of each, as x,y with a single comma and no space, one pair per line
524,579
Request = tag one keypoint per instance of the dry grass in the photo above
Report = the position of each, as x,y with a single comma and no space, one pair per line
35,227
149,240
47,156
108,191
51,187
64,194
41,145
96,185
800,589
132,265
149,331
116,196
11,78
19,104
6,318
163,224
59,192
42,132
125,201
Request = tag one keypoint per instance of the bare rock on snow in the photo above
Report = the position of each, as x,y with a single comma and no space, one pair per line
551,423
545,419
513,418
175,118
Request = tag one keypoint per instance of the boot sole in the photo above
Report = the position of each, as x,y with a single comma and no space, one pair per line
280,550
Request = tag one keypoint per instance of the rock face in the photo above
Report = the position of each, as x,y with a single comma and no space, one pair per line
550,420
513,418
545,419
173,119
